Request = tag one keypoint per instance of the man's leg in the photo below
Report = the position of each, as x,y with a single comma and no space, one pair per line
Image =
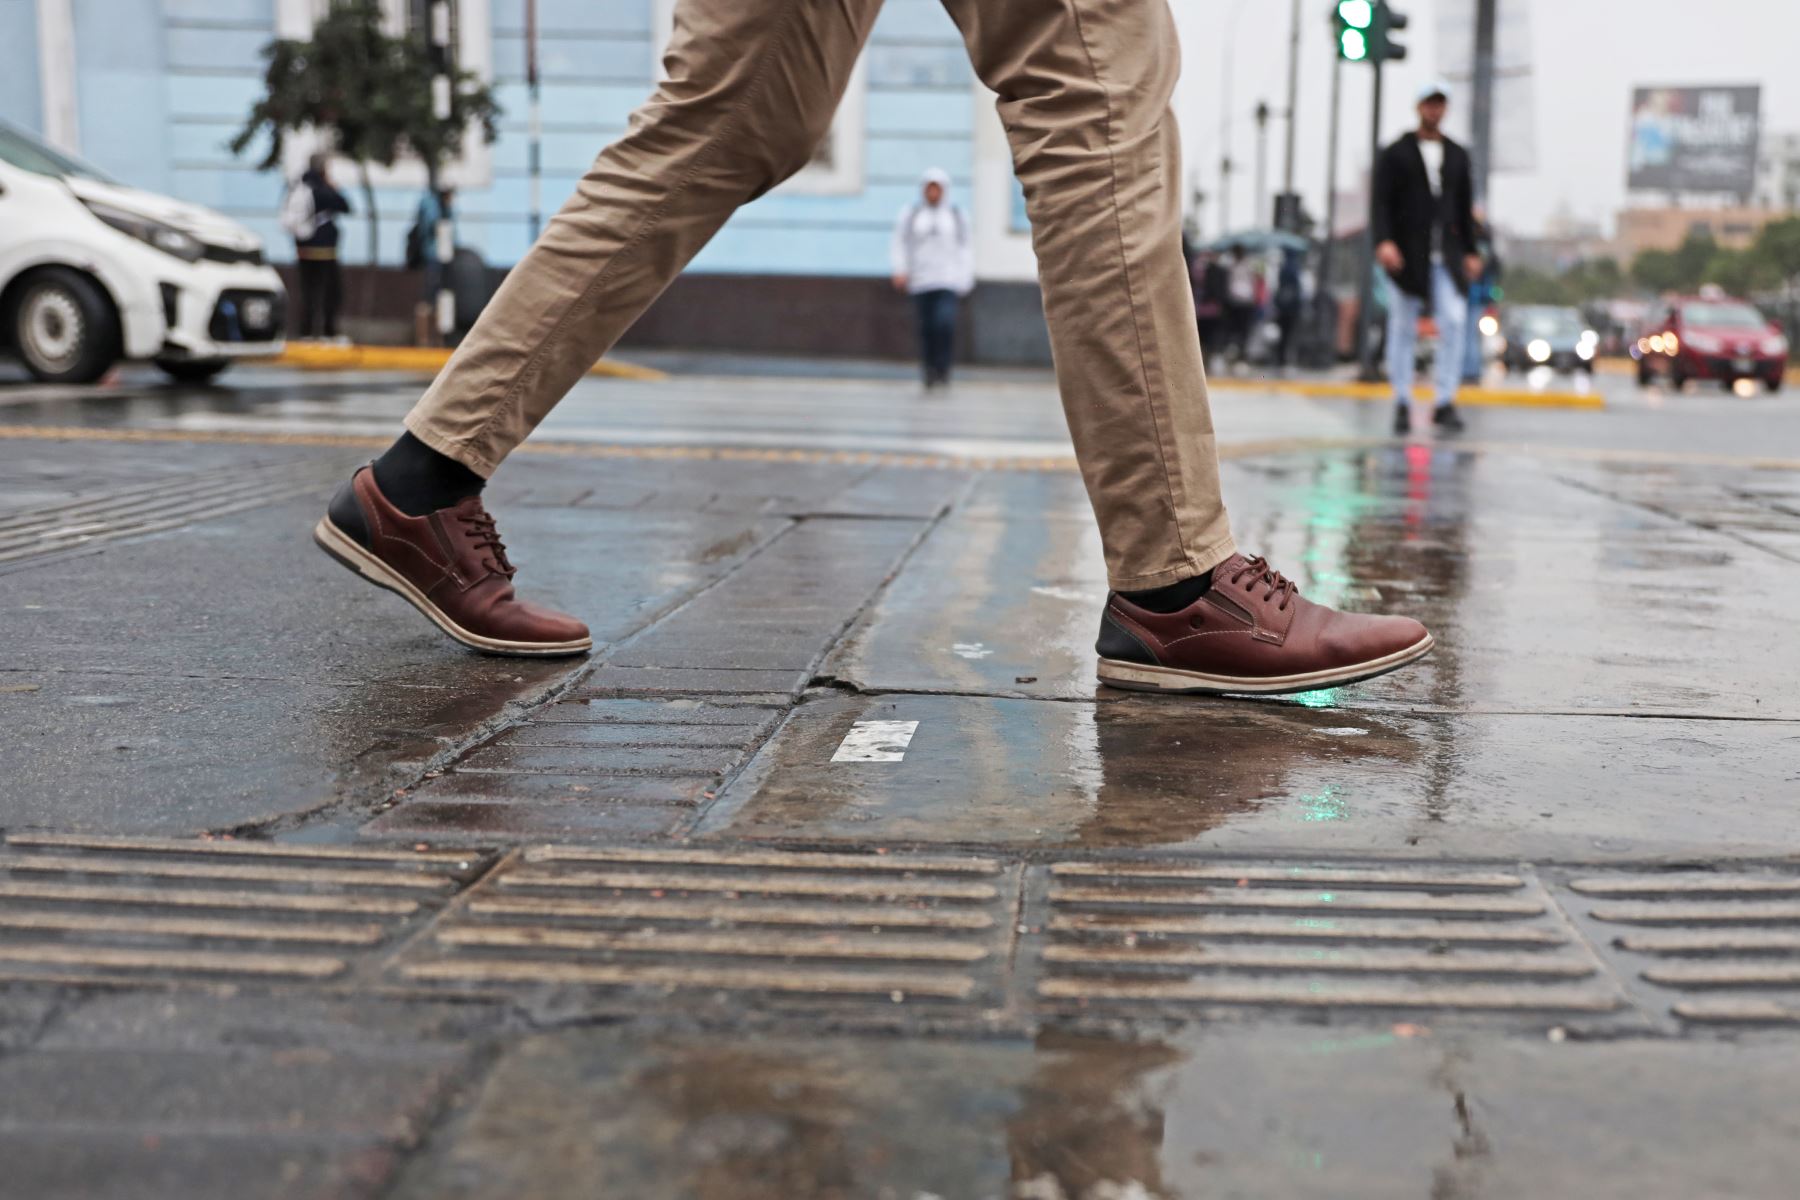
1452,306
1084,93
309,296
944,349
1402,343
333,293
922,308
752,88
1084,89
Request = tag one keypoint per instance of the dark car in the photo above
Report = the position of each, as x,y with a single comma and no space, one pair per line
1542,335
1714,338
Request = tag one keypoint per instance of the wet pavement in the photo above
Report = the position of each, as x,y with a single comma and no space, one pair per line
834,872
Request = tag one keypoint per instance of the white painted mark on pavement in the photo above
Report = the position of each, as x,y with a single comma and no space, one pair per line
971,650
876,741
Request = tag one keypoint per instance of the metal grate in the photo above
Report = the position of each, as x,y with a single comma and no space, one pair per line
899,928
1131,936
1719,947
75,908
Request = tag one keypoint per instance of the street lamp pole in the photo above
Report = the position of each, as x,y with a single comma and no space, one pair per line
1225,101
1486,20
1365,345
1293,100
1262,159
535,146
445,236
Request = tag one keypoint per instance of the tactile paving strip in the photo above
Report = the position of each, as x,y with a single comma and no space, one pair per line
814,926
1719,947
167,503
109,909
1135,937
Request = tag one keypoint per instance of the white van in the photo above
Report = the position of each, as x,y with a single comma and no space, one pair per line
93,272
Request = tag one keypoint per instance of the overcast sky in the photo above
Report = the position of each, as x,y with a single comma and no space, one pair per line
1587,55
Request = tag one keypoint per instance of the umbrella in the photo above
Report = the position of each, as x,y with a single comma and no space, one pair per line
1261,241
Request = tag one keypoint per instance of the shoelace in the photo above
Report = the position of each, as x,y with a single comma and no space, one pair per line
1260,572
486,533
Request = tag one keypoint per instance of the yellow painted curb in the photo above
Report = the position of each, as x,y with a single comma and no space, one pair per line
309,357
1351,390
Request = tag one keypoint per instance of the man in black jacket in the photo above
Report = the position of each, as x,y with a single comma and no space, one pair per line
1424,227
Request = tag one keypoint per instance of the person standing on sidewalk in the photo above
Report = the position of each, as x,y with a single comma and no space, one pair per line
1084,94
933,258
310,213
1424,228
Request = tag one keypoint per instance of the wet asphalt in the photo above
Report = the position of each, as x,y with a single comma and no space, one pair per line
769,561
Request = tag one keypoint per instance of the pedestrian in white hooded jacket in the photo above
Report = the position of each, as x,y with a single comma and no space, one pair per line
933,259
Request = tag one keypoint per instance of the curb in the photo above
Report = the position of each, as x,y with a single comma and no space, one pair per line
415,358
1471,396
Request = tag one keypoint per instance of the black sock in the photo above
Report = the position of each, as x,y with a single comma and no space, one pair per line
1175,597
417,479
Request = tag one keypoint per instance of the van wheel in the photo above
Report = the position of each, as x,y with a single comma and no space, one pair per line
191,370
65,327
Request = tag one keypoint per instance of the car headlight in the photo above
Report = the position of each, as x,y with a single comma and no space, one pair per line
1776,345
1585,350
166,238
1489,327
1538,350
1705,343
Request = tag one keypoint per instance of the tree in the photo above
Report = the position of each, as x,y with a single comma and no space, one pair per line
1778,249
1657,271
369,94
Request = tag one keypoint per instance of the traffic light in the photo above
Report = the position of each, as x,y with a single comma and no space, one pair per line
1355,22
1365,30
1382,46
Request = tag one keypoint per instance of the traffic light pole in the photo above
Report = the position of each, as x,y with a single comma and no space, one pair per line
1325,311
1365,345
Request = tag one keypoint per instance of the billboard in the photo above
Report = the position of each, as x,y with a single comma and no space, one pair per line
1695,139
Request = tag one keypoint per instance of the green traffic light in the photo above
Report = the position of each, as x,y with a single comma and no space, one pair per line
1359,15
1354,45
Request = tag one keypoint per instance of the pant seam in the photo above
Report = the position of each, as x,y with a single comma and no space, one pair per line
752,90
1175,508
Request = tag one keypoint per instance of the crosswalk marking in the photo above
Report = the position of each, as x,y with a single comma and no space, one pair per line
876,741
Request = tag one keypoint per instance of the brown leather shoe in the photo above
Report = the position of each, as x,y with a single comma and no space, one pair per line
449,565
1252,632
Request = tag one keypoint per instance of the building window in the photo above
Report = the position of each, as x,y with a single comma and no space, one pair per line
471,32
836,168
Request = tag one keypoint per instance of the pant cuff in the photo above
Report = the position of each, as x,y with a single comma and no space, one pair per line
1198,564
462,452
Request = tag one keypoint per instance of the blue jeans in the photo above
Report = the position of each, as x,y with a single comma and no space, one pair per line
937,332
1472,335
1451,308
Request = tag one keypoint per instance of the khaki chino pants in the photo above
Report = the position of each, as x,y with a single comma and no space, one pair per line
1084,88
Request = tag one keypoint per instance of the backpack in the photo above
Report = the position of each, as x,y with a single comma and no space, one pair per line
415,244
299,211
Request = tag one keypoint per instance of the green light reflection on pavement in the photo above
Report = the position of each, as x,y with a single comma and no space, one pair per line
1328,805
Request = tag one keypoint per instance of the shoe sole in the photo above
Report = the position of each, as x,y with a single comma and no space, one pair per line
1138,677
349,553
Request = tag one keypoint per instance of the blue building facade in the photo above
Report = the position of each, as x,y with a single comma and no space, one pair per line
152,90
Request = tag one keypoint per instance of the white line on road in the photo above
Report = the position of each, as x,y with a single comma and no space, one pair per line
876,741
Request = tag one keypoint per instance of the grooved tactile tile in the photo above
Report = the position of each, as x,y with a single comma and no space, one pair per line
1138,937
1719,947
812,927
113,909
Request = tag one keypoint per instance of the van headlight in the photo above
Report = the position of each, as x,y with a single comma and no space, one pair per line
1538,350
166,238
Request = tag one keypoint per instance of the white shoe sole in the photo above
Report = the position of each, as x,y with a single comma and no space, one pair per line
1138,677
345,549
